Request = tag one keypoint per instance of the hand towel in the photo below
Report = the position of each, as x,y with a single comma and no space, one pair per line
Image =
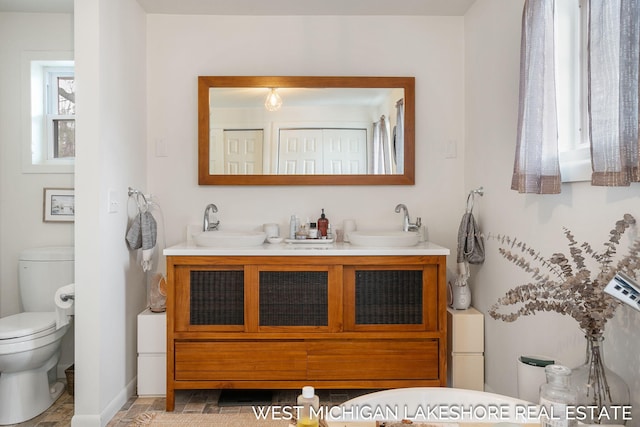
470,241
142,234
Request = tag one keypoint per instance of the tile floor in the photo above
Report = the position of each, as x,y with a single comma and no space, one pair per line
187,401
58,415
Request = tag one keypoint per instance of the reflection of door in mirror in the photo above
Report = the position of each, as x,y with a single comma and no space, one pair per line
305,110
345,151
322,151
240,151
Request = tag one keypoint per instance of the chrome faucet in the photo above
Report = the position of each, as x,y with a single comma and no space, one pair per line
406,221
207,225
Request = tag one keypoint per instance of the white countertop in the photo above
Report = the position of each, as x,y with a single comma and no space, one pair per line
305,249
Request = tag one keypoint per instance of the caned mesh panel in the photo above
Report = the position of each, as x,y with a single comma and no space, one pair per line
388,297
294,298
217,298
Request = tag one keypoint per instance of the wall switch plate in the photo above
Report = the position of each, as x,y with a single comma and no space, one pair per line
113,204
450,149
161,147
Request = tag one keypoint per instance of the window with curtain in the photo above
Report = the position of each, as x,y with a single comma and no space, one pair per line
608,66
570,32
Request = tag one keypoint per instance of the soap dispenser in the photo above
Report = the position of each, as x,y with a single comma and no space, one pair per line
323,224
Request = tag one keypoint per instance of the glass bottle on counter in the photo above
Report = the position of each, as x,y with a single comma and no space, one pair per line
323,225
556,395
293,227
308,404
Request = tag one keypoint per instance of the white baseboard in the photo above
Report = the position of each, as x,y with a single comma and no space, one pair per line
101,420
85,421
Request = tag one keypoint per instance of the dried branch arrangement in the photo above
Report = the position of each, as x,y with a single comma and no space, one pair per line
565,284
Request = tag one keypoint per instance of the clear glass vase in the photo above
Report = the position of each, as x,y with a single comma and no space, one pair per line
602,393
157,293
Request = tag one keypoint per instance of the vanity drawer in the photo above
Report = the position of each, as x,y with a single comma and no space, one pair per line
240,360
313,360
373,360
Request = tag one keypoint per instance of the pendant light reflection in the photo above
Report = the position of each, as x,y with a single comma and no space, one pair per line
273,101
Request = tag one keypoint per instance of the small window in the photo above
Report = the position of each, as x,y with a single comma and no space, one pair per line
49,143
60,94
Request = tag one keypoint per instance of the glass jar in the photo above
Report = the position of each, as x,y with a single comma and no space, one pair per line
313,231
602,392
557,397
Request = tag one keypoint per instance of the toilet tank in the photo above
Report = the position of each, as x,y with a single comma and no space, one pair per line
41,272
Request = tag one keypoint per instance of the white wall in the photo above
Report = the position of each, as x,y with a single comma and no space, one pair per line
111,130
430,48
492,38
21,194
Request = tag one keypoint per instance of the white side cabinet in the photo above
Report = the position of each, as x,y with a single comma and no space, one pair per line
465,338
152,353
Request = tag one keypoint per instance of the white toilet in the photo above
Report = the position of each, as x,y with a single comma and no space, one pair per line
30,341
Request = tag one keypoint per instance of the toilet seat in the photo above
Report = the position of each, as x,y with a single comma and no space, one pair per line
26,326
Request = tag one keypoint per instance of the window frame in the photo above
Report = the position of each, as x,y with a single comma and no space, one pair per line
51,116
36,141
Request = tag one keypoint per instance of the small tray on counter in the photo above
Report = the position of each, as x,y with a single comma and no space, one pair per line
309,241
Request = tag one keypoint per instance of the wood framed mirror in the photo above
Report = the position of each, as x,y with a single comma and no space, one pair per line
327,130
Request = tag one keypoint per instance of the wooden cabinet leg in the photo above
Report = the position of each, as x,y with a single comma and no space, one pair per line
170,400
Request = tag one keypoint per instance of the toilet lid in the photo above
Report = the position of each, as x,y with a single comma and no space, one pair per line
25,324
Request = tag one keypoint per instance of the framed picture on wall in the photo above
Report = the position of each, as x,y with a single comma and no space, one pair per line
59,205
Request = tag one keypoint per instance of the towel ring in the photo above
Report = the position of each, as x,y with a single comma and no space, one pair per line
141,207
471,198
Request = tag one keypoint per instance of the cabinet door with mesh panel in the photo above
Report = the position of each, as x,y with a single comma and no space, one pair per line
391,298
213,298
291,297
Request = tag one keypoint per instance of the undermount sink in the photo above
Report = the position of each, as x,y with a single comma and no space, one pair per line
393,239
229,239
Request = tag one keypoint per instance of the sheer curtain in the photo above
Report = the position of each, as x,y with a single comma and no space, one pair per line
399,137
613,91
382,153
536,167
612,75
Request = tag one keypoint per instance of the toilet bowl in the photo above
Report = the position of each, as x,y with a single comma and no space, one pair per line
30,341
29,350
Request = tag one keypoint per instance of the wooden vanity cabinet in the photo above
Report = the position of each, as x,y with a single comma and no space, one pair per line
288,321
